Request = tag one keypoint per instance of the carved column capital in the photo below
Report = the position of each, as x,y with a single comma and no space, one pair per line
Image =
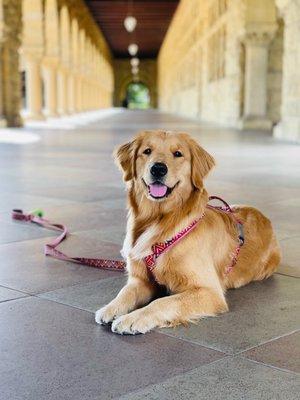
259,37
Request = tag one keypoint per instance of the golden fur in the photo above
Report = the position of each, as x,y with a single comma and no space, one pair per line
193,272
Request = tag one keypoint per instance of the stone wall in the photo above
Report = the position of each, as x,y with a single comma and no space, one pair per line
221,62
123,76
289,126
274,82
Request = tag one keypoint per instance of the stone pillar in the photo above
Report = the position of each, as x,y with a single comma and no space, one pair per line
84,94
62,90
78,94
71,94
10,32
50,79
256,74
34,101
289,126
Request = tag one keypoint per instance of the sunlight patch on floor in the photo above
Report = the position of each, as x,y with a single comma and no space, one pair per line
17,136
70,122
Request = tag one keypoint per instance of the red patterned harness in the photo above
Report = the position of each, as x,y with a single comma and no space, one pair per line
159,248
150,261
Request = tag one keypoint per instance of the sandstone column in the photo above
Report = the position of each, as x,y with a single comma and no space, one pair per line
33,78
50,79
51,57
71,93
256,73
62,90
10,32
289,126
79,94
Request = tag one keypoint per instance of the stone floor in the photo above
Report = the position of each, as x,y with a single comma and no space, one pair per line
51,347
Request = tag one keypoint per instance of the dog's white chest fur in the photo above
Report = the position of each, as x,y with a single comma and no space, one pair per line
143,245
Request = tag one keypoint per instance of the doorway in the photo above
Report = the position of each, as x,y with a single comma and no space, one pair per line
137,96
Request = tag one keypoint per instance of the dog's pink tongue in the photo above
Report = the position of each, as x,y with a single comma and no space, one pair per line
158,190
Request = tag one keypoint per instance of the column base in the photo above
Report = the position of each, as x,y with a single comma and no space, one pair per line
51,114
63,113
34,117
255,123
3,122
288,131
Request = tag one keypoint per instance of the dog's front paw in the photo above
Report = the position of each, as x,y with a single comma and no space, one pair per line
106,314
133,323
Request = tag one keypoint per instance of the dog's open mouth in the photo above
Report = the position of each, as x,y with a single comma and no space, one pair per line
158,190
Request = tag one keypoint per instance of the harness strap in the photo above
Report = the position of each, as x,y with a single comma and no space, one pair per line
240,227
159,248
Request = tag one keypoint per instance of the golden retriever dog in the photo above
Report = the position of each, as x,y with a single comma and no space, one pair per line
164,174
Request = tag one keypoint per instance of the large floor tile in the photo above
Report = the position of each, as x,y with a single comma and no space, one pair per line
257,313
268,199
290,264
90,296
16,232
80,216
24,267
67,190
9,294
51,351
282,353
28,202
228,379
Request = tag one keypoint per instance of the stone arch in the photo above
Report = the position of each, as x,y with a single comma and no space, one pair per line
74,42
33,33
64,37
123,88
62,76
51,28
73,64
128,94
50,60
32,53
123,77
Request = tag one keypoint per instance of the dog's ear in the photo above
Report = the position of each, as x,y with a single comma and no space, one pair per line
201,161
124,156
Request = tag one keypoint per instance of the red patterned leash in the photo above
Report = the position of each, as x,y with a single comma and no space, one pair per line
150,260
50,248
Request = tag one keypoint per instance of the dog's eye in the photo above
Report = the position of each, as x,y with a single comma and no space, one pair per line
147,151
177,154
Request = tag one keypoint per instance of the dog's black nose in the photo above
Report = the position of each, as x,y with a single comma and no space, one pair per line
158,170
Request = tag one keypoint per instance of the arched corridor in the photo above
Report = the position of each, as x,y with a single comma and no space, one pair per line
64,60
221,61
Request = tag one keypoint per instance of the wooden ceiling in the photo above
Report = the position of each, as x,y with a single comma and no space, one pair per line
153,18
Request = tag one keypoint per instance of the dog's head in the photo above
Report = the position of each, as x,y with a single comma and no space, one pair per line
164,166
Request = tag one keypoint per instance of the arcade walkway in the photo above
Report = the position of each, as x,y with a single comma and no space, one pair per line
51,347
